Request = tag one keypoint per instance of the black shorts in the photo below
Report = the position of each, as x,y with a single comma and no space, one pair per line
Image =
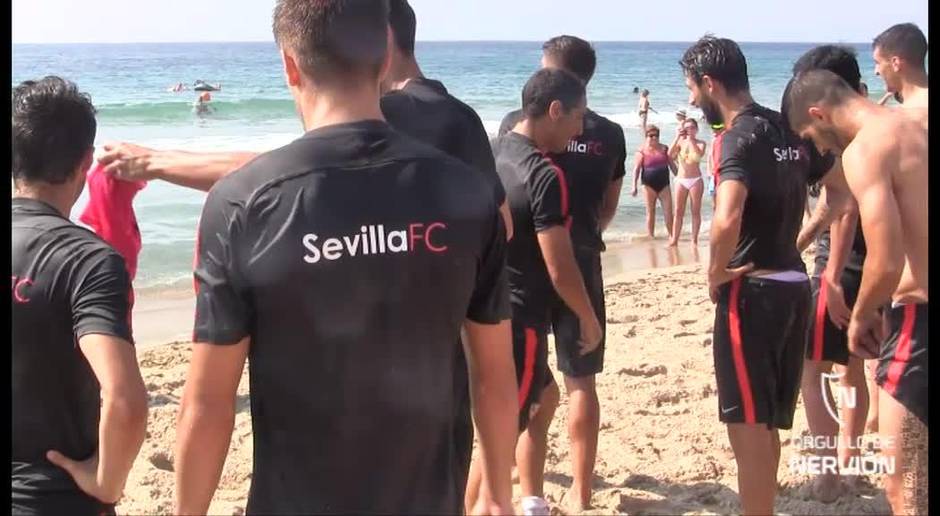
759,344
567,328
825,341
463,421
902,366
70,503
530,350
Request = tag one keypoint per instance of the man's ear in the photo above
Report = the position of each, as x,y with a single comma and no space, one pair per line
708,85
291,70
556,110
896,63
815,113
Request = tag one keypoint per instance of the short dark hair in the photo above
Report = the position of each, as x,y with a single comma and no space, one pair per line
838,59
813,87
904,40
719,58
573,54
401,17
335,41
53,129
547,86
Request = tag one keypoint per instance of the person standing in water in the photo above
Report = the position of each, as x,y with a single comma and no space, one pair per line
688,151
652,168
643,108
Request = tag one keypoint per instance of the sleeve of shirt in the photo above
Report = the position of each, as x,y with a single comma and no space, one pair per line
100,302
732,157
223,309
548,196
480,155
620,167
489,303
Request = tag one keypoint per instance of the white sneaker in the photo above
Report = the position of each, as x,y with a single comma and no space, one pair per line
535,506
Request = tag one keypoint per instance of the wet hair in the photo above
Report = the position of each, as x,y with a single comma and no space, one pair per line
337,42
645,92
53,130
573,54
813,87
548,85
401,18
651,127
719,58
838,59
904,40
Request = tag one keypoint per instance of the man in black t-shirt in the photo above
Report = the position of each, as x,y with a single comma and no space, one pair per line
343,267
835,285
594,168
756,274
423,109
541,260
79,403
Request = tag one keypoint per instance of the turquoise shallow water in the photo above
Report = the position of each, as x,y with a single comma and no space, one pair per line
254,111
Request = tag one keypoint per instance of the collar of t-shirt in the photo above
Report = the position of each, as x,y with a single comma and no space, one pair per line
34,207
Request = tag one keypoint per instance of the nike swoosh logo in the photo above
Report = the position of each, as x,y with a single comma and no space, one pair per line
725,411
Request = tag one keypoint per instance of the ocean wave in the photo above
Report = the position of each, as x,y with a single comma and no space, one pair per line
254,109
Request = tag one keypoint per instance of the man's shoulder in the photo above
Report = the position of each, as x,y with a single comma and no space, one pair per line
604,127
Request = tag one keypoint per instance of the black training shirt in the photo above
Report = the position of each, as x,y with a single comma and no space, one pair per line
67,283
760,151
424,110
856,258
591,162
351,257
538,200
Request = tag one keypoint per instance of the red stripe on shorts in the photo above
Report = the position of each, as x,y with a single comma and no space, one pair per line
737,349
820,325
903,351
528,369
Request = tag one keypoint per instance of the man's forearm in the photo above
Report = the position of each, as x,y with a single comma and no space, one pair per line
822,217
203,437
197,170
841,236
121,432
880,279
570,287
723,240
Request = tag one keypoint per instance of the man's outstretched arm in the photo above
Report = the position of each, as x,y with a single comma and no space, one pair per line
198,170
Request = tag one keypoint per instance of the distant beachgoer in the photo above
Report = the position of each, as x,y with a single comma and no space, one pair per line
177,88
652,167
201,106
689,150
681,117
643,108
636,89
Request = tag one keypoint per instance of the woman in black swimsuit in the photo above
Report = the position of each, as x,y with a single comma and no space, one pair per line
652,167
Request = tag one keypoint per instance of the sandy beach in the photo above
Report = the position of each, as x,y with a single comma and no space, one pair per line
661,451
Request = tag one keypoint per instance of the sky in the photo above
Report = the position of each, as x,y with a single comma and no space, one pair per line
121,21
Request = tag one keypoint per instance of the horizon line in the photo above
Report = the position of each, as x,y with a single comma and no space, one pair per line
418,41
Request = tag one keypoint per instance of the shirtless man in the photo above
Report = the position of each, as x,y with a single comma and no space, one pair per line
884,155
899,54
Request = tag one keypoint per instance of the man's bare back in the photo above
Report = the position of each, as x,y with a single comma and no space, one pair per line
891,146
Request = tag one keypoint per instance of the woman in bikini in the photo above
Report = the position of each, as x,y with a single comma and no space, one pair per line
652,167
688,151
